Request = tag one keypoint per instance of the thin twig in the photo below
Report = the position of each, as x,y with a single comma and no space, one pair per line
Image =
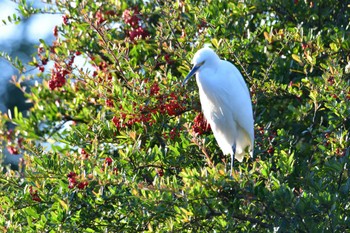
252,220
204,150
105,42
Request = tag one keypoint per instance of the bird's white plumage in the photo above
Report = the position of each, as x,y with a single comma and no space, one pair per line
225,101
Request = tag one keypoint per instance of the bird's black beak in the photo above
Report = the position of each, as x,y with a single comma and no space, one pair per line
192,72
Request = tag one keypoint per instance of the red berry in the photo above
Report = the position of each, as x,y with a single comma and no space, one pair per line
160,172
36,198
44,60
110,12
271,150
109,103
167,59
41,49
71,175
126,15
200,125
83,153
12,150
116,122
133,34
100,17
129,19
173,133
72,182
82,185
31,191
108,161
115,170
138,33
331,80
20,141
65,19
134,21
154,89
55,31
52,84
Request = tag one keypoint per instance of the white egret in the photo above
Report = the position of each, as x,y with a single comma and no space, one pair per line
226,103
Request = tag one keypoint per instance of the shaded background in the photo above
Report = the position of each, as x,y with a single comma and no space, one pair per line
20,40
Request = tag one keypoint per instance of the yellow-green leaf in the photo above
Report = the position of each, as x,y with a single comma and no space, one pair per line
214,41
63,204
296,58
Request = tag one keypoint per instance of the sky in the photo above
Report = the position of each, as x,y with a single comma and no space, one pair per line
11,37
37,27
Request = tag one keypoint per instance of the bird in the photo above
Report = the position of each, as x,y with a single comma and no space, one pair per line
226,103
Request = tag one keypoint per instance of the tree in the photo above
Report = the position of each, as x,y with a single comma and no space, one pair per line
138,156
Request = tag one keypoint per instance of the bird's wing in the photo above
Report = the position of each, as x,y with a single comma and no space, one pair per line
235,98
236,75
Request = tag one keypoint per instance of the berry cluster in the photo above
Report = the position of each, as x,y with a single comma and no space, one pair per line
58,75
108,161
200,125
173,134
160,172
83,153
102,71
99,17
62,68
167,59
12,150
154,90
11,140
170,104
131,18
165,104
43,58
270,138
138,33
329,139
34,194
65,19
109,103
72,179
128,120
55,31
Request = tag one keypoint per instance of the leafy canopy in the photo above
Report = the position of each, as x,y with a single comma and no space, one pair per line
120,146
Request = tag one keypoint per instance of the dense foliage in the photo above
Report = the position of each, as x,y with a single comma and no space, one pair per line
120,146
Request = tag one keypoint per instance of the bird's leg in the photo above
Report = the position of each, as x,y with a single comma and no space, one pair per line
232,158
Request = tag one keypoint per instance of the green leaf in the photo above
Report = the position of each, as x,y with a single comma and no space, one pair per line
63,204
214,41
296,58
